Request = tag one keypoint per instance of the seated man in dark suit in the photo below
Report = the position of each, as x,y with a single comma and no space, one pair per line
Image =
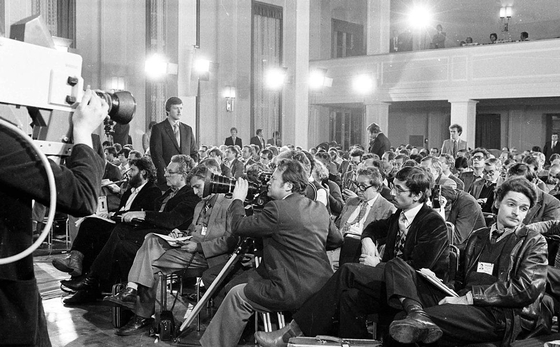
462,210
483,188
94,231
361,210
415,233
500,283
478,157
218,155
235,165
296,233
210,245
173,210
546,206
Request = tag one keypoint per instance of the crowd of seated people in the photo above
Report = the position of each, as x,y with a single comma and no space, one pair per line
368,219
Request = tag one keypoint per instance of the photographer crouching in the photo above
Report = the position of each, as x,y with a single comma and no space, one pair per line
22,179
296,233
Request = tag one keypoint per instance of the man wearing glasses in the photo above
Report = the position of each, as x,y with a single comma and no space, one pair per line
360,210
478,156
415,233
483,189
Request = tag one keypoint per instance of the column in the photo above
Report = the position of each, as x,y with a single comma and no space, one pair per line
463,112
376,112
378,26
295,118
186,39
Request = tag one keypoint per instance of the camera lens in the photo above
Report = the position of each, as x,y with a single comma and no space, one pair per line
122,105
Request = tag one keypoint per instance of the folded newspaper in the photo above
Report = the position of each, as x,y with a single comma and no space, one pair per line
174,241
430,276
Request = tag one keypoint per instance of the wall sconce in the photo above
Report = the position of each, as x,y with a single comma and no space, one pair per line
505,16
318,79
229,94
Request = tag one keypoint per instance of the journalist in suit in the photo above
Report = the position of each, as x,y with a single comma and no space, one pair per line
233,140
551,147
379,143
258,140
361,210
94,232
296,233
415,233
174,209
163,142
448,146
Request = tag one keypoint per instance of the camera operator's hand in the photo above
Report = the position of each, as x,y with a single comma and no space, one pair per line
88,116
241,189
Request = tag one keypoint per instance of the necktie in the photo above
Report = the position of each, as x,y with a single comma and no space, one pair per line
166,200
553,144
361,214
401,237
454,149
177,134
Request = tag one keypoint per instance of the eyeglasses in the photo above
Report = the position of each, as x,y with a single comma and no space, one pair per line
489,172
364,188
167,172
478,157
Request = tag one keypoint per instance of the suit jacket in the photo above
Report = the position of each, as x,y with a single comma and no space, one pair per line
145,200
236,168
229,142
22,179
178,211
225,170
255,140
112,172
163,146
468,179
546,208
296,233
466,215
447,146
272,142
548,151
218,242
381,209
380,145
426,244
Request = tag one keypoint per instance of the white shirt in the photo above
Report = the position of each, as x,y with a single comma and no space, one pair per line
133,195
410,215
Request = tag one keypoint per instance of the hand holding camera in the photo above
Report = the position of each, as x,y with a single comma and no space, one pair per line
89,114
241,189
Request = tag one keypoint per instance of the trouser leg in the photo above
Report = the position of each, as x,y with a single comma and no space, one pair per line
230,320
317,315
465,324
142,271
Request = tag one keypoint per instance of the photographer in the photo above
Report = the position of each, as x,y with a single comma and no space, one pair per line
22,179
296,233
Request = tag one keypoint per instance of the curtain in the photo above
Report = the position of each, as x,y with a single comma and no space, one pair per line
266,53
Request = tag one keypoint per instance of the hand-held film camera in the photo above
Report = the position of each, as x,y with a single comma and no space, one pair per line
258,187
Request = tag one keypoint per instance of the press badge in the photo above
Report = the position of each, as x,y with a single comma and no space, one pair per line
203,231
487,268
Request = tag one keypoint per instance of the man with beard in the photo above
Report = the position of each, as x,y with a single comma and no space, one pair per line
172,210
94,232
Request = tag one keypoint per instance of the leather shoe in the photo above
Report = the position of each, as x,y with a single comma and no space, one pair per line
416,327
81,297
134,326
126,297
87,283
72,263
278,338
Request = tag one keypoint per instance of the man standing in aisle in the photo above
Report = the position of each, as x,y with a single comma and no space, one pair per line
379,143
454,144
171,137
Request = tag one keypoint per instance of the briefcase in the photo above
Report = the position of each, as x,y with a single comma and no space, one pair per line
322,340
119,315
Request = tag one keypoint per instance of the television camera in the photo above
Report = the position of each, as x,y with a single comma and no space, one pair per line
47,82
258,188
43,83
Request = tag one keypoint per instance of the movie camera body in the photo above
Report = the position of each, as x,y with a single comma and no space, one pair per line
47,82
258,188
